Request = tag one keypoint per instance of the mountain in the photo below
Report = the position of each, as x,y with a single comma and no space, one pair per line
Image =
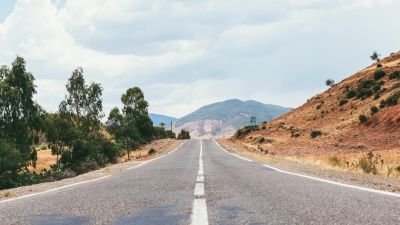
158,118
361,114
224,118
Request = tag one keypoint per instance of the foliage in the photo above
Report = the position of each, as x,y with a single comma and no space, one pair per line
184,134
379,74
343,102
261,140
374,110
369,162
315,133
152,151
21,119
394,75
330,82
246,130
363,118
375,56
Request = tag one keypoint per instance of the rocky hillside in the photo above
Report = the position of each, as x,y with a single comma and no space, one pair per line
358,115
224,118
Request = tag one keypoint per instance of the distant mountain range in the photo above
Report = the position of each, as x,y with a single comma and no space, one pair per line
224,118
158,118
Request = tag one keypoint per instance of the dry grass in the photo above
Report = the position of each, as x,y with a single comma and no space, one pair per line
44,160
8,194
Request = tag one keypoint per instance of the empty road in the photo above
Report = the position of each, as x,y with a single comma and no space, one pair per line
201,184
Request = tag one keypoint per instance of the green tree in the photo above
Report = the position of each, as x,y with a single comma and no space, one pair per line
330,82
184,134
83,105
375,56
21,118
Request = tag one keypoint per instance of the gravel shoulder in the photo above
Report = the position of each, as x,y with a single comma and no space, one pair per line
364,180
162,147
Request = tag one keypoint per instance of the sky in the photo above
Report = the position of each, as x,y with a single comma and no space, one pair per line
185,54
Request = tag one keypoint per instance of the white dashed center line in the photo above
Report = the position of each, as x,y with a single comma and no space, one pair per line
199,211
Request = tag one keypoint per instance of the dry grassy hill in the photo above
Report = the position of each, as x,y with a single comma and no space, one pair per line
344,116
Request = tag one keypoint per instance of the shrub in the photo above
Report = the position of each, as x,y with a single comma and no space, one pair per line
318,107
261,140
315,133
398,169
330,82
394,75
379,74
334,161
152,151
377,87
246,130
374,110
184,135
393,99
363,118
343,102
351,94
368,163
379,65
295,134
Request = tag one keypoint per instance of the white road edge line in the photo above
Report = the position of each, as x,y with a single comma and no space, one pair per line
199,211
318,179
145,162
83,182
54,189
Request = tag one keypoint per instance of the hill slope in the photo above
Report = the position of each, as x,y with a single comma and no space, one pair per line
158,118
358,115
224,118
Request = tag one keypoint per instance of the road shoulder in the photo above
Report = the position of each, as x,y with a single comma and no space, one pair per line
364,180
162,147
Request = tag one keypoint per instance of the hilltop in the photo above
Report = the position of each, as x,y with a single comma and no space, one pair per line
359,115
224,118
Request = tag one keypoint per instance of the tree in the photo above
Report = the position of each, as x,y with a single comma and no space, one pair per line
21,118
330,82
162,124
375,56
184,134
83,105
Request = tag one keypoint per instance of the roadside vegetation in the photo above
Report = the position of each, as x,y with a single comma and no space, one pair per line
75,133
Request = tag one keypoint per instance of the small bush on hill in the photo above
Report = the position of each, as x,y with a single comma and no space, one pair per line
394,75
315,133
374,110
363,118
369,162
261,140
393,99
351,94
246,130
379,74
152,151
343,102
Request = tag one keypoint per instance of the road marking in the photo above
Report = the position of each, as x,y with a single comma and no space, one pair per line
318,179
230,153
145,162
55,189
83,182
199,211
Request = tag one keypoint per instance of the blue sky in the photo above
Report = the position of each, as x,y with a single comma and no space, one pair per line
185,54
6,7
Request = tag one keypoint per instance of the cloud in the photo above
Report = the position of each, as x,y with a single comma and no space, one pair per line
188,53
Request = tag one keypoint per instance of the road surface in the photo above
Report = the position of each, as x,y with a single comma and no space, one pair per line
201,184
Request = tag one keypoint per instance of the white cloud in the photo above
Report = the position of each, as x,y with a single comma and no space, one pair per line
188,53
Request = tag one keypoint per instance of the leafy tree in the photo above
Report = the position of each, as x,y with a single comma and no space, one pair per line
375,56
184,134
330,82
162,124
83,105
20,119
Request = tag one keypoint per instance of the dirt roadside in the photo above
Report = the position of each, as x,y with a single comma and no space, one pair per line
364,180
162,147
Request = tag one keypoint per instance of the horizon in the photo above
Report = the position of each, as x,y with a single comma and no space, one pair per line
279,53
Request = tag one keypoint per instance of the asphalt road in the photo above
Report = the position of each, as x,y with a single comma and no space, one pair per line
200,184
